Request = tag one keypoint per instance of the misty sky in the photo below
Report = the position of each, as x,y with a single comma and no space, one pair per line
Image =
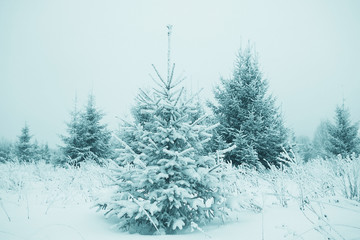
52,50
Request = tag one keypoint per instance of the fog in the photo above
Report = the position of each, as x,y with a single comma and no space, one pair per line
52,51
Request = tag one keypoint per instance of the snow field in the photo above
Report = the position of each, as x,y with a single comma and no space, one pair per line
305,201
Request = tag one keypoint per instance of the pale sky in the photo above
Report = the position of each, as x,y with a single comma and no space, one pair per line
52,50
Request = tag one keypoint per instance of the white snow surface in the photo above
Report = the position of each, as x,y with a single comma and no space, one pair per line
40,202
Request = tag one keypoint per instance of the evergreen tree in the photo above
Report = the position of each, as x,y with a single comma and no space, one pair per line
248,116
165,181
95,135
24,148
73,149
45,153
304,148
321,140
87,137
36,151
41,152
343,135
6,151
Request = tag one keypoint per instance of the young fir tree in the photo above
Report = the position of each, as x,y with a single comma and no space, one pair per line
73,149
95,135
304,148
343,135
37,151
45,153
248,116
87,137
6,151
321,140
166,182
41,152
24,148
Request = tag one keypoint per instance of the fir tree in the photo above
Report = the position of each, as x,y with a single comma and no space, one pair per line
45,153
248,116
73,149
38,151
41,152
6,151
165,181
321,140
95,135
304,148
24,148
87,137
343,135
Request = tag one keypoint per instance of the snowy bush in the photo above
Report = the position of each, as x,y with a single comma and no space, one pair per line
301,181
317,178
348,170
329,177
308,180
51,184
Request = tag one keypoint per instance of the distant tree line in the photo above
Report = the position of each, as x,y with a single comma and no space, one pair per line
248,118
87,139
24,149
331,139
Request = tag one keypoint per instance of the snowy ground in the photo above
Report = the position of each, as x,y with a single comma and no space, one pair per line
45,203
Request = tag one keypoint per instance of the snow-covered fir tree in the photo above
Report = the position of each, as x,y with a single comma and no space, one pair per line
41,152
24,148
304,148
95,134
72,149
248,115
343,136
6,151
321,140
87,138
36,149
45,153
165,180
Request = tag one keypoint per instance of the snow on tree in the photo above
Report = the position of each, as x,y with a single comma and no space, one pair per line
45,153
304,148
165,180
343,136
248,115
24,148
87,137
6,151
41,152
321,140
95,135
73,149
36,150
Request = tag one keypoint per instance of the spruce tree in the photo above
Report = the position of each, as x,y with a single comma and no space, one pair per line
41,152
24,148
165,180
95,135
248,115
45,153
87,137
343,135
73,149
321,140
6,151
304,148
